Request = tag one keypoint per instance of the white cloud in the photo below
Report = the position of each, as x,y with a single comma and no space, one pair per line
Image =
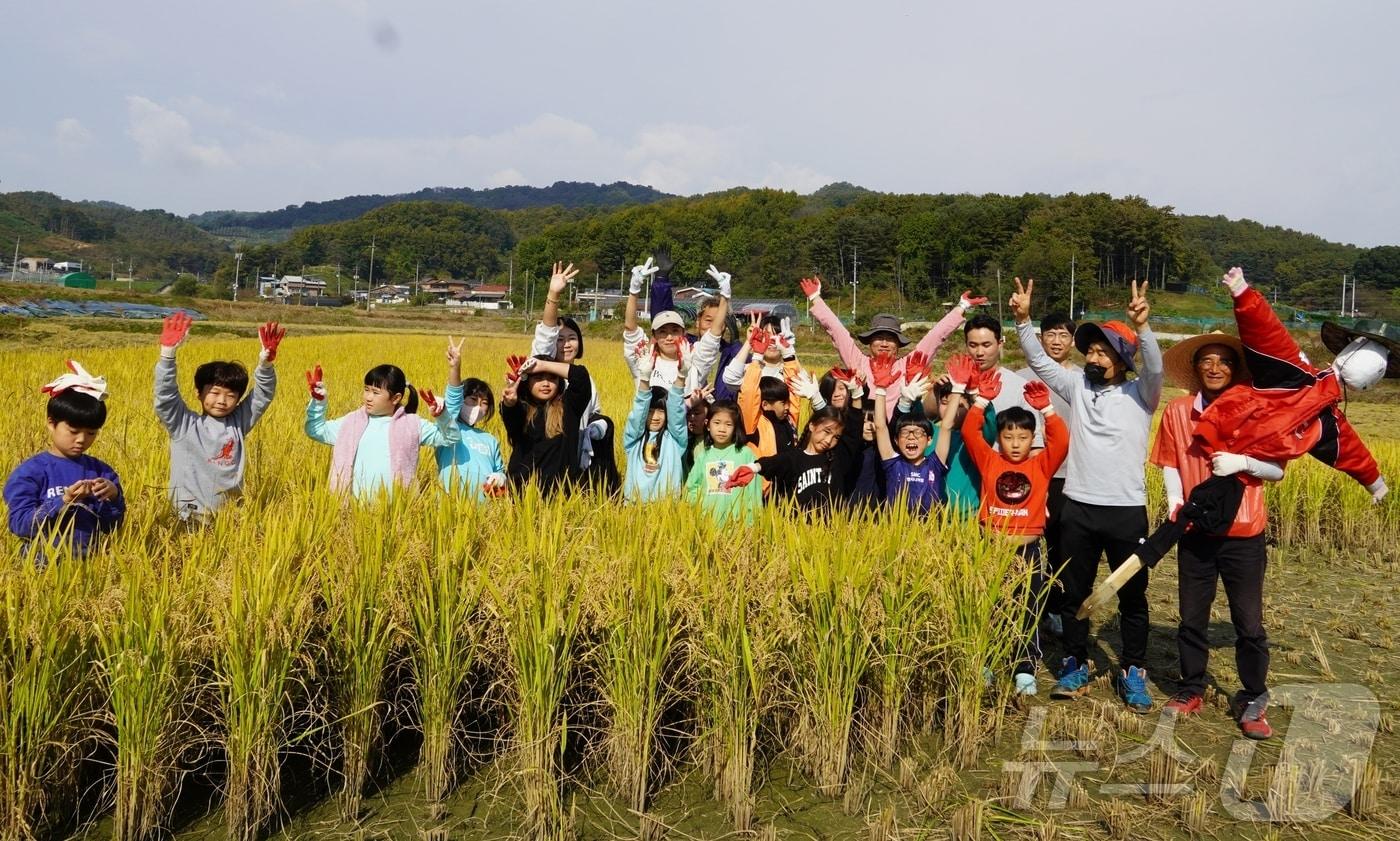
795,177
505,178
164,137
70,133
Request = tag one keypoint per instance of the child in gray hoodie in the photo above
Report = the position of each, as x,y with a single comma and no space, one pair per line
206,449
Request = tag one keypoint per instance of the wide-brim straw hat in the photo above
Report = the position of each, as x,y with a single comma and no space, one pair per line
1336,336
1179,360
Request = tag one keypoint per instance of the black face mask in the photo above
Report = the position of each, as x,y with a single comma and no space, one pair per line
1095,374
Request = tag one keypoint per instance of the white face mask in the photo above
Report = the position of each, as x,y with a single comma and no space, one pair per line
1362,363
472,415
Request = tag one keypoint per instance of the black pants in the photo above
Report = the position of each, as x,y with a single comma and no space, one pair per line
1029,654
1239,562
1087,533
1054,551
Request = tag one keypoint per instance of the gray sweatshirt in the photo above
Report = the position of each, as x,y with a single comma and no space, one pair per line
206,453
1108,425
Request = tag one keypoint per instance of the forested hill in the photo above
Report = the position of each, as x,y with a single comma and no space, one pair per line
923,248
568,194
104,234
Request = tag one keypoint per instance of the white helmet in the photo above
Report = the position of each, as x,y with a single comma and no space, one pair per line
1362,363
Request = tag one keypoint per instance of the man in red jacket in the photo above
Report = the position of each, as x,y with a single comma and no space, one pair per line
1291,408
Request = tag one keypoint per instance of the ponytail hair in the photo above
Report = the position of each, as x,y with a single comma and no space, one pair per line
392,379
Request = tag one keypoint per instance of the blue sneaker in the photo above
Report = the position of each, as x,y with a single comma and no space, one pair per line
1074,680
1132,688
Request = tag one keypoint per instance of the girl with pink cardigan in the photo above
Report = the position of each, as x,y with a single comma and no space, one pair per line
376,446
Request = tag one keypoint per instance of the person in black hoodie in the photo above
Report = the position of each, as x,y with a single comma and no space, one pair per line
541,409
814,472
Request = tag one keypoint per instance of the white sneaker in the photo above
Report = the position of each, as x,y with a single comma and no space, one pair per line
1025,684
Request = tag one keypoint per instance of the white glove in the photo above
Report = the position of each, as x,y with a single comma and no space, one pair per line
526,367
1378,489
789,343
854,389
598,429
494,480
646,363
640,274
685,358
1234,279
1174,505
1228,464
724,280
805,385
914,390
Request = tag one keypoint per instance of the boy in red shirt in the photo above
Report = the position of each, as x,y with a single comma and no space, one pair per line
1016,480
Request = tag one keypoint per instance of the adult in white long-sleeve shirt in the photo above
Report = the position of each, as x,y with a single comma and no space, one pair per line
668,330
982,334
1105,511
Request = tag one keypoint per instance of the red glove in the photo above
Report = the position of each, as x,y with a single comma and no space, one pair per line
882,371
843,375
315,382
967,302
1037,395
435,406
760,339
811,286
513,363
962,370
916,365
989,385
271,334
174,328
740,478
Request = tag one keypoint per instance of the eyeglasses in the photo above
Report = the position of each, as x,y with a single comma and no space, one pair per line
1209,362
913,432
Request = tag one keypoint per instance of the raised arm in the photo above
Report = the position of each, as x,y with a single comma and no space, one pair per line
640,275
883,378
1150,377
846,347
174,415
316,426
1063,382
934,338
264,377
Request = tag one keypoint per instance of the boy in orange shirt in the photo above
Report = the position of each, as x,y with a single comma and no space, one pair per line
1015,481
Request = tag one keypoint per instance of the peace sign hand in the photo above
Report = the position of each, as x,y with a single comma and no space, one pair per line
454,351
1138,308
1021,300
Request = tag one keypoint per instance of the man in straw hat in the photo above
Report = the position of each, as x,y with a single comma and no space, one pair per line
885,337
1206,366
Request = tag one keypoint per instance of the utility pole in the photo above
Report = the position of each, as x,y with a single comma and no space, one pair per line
593,314
1343,311
1000,317
510,288
337,280
855,280
1071,287
237,264
370,281
15,264
130,276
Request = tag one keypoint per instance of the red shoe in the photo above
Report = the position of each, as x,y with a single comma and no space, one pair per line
1253,723
1184,703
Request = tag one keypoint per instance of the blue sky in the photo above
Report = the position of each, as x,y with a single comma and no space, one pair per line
1282,112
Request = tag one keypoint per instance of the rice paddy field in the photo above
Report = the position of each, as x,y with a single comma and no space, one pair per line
427,667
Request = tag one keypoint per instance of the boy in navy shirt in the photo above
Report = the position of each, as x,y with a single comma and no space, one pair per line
62,495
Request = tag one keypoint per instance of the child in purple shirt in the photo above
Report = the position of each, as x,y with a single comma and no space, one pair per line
909,473
62,495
